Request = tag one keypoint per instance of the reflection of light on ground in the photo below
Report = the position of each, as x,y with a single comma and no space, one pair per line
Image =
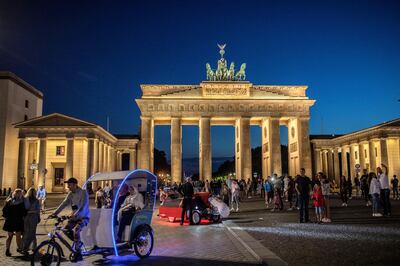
336,232
123,258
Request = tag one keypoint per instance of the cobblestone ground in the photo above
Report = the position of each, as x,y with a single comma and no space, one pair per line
174,244
353,238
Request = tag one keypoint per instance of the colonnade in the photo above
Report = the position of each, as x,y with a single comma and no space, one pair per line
350,158
271,147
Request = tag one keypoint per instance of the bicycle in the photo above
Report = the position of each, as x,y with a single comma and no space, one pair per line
50,251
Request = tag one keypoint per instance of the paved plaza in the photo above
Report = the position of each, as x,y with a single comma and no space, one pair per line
257,236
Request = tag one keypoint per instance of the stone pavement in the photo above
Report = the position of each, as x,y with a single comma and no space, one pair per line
174,244
353,238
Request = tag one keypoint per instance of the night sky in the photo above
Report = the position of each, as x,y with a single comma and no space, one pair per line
89,57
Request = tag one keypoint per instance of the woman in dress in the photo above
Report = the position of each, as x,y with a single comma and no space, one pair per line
14,212
31,220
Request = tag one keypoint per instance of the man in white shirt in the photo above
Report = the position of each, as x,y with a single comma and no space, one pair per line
385,191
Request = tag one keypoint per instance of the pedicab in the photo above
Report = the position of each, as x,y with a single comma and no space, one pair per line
99,236
204,206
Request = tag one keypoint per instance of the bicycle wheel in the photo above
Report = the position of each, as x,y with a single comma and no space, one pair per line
143,244
46,254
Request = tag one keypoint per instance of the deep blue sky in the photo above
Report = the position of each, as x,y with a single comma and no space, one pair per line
89,57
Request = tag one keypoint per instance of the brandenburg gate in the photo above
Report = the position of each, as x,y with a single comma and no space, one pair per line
227,99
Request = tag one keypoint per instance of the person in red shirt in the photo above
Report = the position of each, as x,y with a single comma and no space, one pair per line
318,201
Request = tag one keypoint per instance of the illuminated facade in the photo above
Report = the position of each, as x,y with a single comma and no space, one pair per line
55,147
365,149
19,101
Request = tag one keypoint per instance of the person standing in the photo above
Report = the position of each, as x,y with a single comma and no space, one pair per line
374,190
318,201
365,187
41,196
349,187
187,192
357,184
326,192
99,198
31,220
303,183
14,212
268,189
290,192
235,190
395,187
385,191
343,190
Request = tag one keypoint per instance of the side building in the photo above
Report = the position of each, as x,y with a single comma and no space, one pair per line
349,154
19,101
55,147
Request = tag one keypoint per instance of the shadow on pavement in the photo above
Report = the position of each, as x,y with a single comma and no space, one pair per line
162,261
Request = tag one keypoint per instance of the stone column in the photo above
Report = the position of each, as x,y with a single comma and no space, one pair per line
372,156
331,169
361,156
90,158
324,162
22,164
336,163
146,143
384,152
69,169
304,145
352,173
100,159
42,161
317,160
264,149
132,159
205,171
95,156
243,148
176,149
344,162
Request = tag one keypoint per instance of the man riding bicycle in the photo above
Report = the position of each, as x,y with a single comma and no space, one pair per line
78,199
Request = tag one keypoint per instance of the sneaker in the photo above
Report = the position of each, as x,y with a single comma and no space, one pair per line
343,204
232,209
237,209
290,209
324,220
378,214
328,220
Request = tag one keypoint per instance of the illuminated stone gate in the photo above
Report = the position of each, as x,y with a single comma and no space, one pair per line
227,99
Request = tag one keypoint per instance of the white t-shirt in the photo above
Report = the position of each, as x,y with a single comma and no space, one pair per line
374,187
384,181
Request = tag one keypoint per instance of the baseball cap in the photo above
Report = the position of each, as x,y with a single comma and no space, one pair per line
72,180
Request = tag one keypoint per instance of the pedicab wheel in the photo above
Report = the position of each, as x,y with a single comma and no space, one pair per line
143,243
196,217
46,254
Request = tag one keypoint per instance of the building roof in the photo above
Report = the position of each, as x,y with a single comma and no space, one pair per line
126,136
21,82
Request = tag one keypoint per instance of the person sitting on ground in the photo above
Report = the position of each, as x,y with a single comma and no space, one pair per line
132,203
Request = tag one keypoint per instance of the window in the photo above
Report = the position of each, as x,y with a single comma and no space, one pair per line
60,150
365,154
376,152
355,155
26,104
25,117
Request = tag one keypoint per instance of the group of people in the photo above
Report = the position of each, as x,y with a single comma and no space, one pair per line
22,214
